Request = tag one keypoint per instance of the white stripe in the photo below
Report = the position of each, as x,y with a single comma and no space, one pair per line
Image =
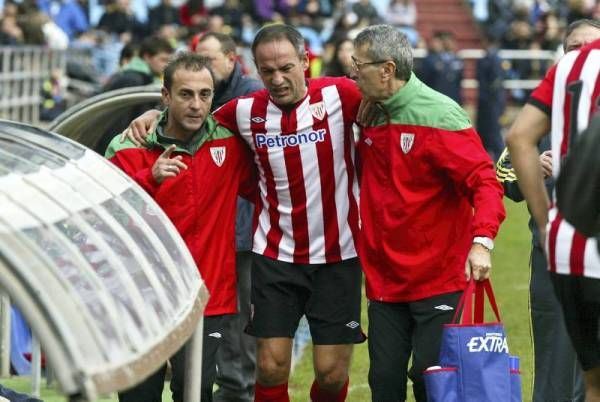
333,105
564,242
243,115
589,75
558,101
282,185
355,189
591,259
312,185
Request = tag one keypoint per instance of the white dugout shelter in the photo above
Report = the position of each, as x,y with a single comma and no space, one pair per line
99,272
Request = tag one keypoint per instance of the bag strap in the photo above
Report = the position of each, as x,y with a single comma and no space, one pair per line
478,290
487,285
464,303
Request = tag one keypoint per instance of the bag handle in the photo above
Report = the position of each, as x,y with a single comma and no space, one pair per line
465,305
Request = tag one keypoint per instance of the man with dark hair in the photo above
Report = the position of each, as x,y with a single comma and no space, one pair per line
236,358
304,255
442,69
430,207
562,105
557,373
579,33
187,154
145,68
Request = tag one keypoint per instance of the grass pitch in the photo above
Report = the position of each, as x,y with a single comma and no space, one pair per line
510,277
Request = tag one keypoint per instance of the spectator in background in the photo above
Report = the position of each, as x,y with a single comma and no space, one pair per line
491,99
442,69
128,52
119,20
316,9
53,92
519,37
365,11
193,14
38,28
154,54
163,14
340,64
577,9
145,68
67,14
270,10
403,15
10,32
232,12
236,358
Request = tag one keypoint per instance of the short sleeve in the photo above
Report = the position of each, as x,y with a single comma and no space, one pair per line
541,97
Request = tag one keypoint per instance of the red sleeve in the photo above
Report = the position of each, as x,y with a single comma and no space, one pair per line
541,97
351,98
131,162
461,155
226,116
248,177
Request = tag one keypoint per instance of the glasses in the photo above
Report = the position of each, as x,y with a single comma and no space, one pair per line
359,64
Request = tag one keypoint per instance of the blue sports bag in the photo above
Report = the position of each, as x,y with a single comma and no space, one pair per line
475,365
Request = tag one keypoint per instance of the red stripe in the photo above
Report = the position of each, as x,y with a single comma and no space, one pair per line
595,106
577,254
552,237
573,76
295,174
274,236
353,213
326,168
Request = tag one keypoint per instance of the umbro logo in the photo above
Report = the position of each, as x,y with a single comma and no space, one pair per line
216,335
369,141
258,119
352,324
444,307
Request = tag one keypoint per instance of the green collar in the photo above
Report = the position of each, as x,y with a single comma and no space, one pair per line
159,138
404,94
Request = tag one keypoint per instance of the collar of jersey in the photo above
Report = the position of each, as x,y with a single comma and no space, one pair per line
404,94
157,138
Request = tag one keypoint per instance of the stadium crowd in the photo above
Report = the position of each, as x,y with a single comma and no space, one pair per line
110,25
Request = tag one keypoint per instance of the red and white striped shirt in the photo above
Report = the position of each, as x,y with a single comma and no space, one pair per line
308,208
572,90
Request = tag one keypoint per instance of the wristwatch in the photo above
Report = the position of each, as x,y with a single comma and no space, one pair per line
484,241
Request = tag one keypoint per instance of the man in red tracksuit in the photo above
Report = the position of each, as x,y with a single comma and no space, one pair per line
430,206
194,169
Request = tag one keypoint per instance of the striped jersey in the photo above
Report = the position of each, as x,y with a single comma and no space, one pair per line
571,89
308,207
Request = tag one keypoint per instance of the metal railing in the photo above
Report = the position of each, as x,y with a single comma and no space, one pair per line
23,70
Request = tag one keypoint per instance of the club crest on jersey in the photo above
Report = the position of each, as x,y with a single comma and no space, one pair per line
406,141
218,155
317,110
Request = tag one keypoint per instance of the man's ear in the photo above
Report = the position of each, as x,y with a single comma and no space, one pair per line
389,69
305,62
166,96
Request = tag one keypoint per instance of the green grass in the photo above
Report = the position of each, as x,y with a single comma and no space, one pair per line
510,278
